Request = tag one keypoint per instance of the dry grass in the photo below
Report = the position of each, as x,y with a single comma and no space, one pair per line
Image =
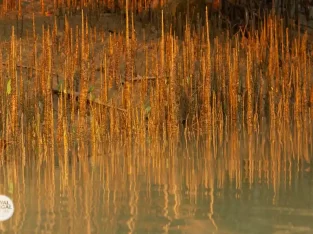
76,88
197,112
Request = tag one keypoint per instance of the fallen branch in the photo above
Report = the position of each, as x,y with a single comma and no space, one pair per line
89,101
136,79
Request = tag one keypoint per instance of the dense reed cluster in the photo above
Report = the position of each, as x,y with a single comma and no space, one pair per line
191,111
82,88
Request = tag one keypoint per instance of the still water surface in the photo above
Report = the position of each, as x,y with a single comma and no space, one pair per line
177,194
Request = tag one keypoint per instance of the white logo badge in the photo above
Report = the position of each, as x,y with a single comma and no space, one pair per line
6,208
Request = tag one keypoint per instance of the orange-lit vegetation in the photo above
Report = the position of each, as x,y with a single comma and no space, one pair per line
80,88
195,107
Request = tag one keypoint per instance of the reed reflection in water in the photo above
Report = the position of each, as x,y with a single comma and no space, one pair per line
186,191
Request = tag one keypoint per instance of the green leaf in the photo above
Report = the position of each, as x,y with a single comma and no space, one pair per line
9,88
148,109
60,85
91,89
11,187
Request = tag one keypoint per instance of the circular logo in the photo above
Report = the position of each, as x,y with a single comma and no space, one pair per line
6,208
